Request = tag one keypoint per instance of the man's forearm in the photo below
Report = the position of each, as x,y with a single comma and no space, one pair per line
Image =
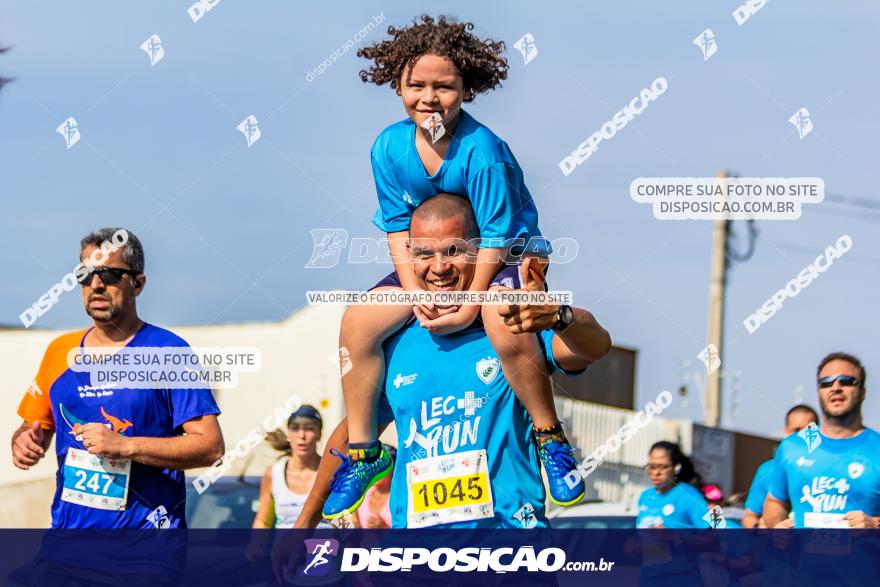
585,338
188,451
310,515
774,512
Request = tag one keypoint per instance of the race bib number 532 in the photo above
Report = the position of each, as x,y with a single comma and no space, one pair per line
449,488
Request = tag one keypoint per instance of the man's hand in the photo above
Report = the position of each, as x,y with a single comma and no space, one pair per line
287,555
782,540
530,317
859,519
100,440
256,550
27,446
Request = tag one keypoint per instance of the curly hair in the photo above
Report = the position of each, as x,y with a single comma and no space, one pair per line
479,62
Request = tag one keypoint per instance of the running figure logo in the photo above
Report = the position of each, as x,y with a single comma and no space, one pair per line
811,436
153,49
249,127
69,129
526,516
318,551
159,518
706,42
434,125
327,246
710,358
715,518
802,122
526,46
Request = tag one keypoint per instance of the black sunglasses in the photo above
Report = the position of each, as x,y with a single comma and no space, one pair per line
845,380
109,275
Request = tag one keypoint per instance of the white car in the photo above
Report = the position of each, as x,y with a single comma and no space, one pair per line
617,514
597,515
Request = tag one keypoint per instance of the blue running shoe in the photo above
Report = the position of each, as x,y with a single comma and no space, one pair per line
558,462
351,481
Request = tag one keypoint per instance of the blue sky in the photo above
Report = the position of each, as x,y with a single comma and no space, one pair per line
226,227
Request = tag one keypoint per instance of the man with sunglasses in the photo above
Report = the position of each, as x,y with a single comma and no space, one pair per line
121,452
829,476
796,419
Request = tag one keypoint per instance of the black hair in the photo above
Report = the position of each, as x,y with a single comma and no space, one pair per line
132,250
443,206
802,408
686,473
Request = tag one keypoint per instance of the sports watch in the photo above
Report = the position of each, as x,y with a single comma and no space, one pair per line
564,318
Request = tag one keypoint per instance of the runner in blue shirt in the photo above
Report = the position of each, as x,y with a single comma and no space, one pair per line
828,476
465,458
121,452
796,419
671,502
435,66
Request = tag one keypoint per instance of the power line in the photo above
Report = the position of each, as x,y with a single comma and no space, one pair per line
866,203
799,248
845,213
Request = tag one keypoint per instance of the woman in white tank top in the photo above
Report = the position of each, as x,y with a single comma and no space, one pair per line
286,484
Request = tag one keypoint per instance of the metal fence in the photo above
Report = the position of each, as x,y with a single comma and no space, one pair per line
621,476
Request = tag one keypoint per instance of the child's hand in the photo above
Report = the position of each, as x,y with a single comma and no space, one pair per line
448,323
432,311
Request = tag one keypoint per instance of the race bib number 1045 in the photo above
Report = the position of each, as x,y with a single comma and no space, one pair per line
449,488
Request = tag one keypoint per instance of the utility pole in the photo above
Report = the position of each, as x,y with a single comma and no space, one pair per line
717,283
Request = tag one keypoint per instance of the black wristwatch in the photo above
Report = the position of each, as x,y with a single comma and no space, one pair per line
564,318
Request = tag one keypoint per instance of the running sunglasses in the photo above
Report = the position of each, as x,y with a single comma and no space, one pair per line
845,380
109,275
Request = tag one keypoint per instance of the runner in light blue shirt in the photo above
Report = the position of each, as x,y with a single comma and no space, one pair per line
796,419
465,456
829,476
672,502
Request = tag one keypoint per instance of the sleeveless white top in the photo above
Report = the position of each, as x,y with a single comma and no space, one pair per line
288,504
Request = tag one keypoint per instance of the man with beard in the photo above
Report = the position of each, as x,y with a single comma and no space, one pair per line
829,476
121,451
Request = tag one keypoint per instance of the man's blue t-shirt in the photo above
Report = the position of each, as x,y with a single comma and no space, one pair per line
683,506
478,165
465,455
145,496
828,477
760,487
